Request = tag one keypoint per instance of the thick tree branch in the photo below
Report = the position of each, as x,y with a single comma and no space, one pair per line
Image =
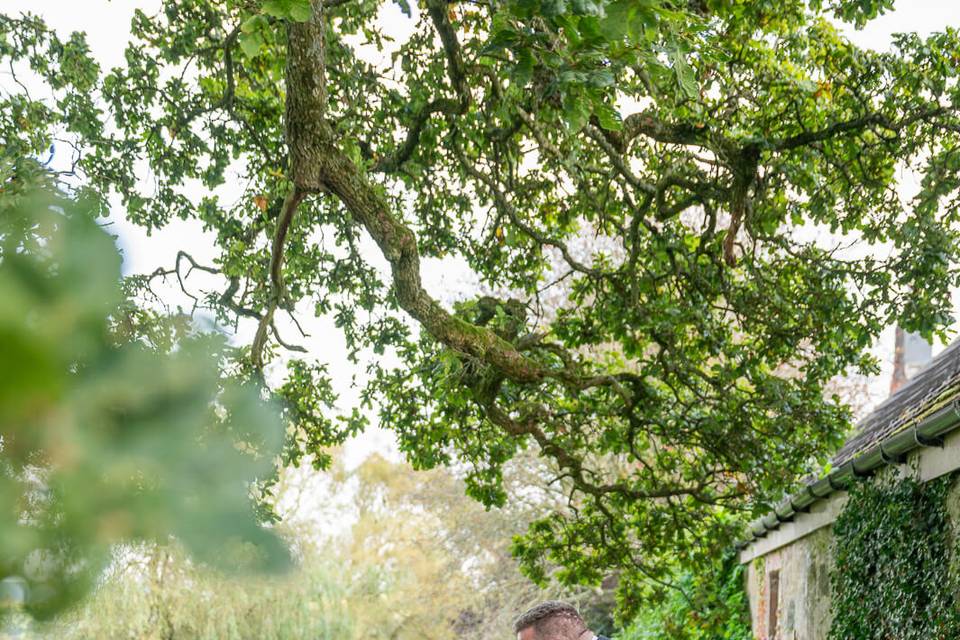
317,164
645,124
439,14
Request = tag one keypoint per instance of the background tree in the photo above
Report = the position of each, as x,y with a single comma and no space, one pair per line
707,144
406,555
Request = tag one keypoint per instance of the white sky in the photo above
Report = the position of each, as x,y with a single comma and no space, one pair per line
107,22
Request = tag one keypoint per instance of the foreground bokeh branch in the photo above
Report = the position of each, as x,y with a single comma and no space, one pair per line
112,429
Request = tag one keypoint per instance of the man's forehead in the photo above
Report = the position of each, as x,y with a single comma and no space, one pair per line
526,634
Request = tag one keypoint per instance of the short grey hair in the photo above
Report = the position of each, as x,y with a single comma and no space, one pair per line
549,617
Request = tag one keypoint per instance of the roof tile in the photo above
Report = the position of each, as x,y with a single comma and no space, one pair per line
941,375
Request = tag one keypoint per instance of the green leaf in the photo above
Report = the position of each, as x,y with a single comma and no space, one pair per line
404,7
609,117
586,7
628,18
523,70
685,74
301,11
276,8
295,10
500,40
254,24
251,43
616,23
553,8
576,110
602,78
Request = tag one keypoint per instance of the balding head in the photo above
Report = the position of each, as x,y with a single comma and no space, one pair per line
551,620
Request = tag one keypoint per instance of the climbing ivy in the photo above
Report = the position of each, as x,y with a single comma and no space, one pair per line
893,577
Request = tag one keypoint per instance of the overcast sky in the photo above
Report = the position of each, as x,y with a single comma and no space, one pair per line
107,22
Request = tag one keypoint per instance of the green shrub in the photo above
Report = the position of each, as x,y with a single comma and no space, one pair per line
710,606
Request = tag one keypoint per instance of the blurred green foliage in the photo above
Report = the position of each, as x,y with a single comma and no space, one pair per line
712,605
105,438
156,593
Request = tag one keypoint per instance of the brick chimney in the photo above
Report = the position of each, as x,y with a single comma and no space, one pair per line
911,353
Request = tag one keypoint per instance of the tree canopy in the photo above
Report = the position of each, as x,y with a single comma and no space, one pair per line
685,215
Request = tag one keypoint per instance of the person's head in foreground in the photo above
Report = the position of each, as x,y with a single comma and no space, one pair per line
552,620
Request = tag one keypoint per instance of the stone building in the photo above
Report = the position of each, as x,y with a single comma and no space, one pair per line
789,552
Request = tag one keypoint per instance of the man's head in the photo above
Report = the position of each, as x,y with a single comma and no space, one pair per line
551,620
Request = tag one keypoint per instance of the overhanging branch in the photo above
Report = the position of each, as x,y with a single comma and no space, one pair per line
318,164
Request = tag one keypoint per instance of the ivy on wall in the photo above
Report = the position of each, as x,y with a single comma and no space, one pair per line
893,578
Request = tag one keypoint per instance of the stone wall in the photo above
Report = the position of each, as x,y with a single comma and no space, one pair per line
798,575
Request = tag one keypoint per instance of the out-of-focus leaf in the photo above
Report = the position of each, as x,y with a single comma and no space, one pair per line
296,10
251,43
105,443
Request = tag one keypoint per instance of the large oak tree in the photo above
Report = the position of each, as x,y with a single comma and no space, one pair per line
688,211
